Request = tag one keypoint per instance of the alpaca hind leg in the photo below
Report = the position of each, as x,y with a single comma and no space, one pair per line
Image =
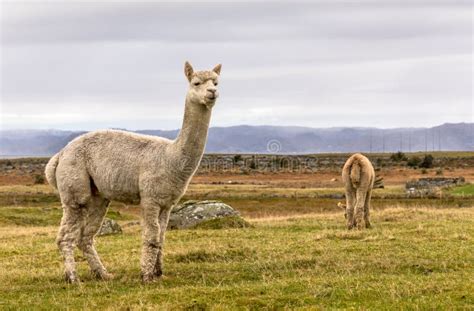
350,204
163,220
367,209
359,208
68,236
96,210
74,189
150,247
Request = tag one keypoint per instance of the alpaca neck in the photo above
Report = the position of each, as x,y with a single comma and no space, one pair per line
192,138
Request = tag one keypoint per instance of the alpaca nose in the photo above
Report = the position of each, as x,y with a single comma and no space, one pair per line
212,90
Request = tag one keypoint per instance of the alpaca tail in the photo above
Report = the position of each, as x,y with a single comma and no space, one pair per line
355,173
50,170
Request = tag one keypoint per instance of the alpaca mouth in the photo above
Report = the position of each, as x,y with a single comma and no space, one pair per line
210,103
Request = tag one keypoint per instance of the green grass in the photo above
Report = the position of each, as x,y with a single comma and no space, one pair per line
30,216
418,258
464,190
262,195
224,223
42,216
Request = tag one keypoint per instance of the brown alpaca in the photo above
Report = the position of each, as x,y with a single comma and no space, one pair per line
358,176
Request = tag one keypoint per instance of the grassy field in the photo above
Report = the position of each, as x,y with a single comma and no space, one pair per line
296,255
418,258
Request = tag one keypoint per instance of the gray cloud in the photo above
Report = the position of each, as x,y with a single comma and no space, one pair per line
222,22
89,65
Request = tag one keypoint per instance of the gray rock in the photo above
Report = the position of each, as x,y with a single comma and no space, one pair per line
434,182
191,213
430,186
109,226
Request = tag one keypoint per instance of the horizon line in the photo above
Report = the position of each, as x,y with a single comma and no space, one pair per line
240,125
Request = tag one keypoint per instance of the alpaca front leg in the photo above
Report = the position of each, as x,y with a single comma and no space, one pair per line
163,220
151,231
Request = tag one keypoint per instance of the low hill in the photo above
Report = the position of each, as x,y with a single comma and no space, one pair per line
273,139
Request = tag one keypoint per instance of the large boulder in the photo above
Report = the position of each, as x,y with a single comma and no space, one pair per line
109,226
193,214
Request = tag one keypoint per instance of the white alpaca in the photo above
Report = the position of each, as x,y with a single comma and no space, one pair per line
358,176
101,166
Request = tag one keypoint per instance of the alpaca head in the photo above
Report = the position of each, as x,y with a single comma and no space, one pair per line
202,85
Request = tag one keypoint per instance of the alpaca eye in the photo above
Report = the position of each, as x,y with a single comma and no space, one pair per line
196,83
215,83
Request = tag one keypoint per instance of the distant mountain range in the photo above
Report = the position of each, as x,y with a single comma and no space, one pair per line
273,139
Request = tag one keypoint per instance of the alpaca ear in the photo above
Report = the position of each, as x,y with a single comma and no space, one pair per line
188,70
217,69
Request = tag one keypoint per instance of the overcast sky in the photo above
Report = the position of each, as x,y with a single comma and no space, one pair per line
89,65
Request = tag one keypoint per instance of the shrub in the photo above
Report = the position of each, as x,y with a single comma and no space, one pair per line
439,171
253,165
414,161
398,157
379,162
39,179
237,158
424,171
427,161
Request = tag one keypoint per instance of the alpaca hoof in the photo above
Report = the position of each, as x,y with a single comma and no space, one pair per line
158,273
103,275
71,277
148,278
